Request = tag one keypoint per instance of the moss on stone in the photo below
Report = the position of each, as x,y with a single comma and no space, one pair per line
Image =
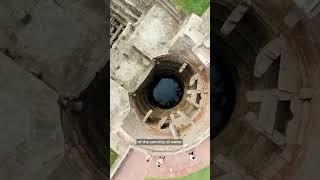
113,156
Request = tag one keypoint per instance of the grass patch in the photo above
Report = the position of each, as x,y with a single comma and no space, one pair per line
203,174
113,157
193,6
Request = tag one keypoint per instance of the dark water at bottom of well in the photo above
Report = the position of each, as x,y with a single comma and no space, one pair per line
167,92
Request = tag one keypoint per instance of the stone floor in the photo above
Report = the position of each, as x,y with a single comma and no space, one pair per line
135,166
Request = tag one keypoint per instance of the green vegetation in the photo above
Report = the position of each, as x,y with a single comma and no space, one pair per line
203,174
193,6
113,157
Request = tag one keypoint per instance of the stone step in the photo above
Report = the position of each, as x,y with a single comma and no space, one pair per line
253,151
138,12
125,138
171,9
116,34
122,11
126,11
234,18
117,17
128,6
119,14
203,54
268,54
